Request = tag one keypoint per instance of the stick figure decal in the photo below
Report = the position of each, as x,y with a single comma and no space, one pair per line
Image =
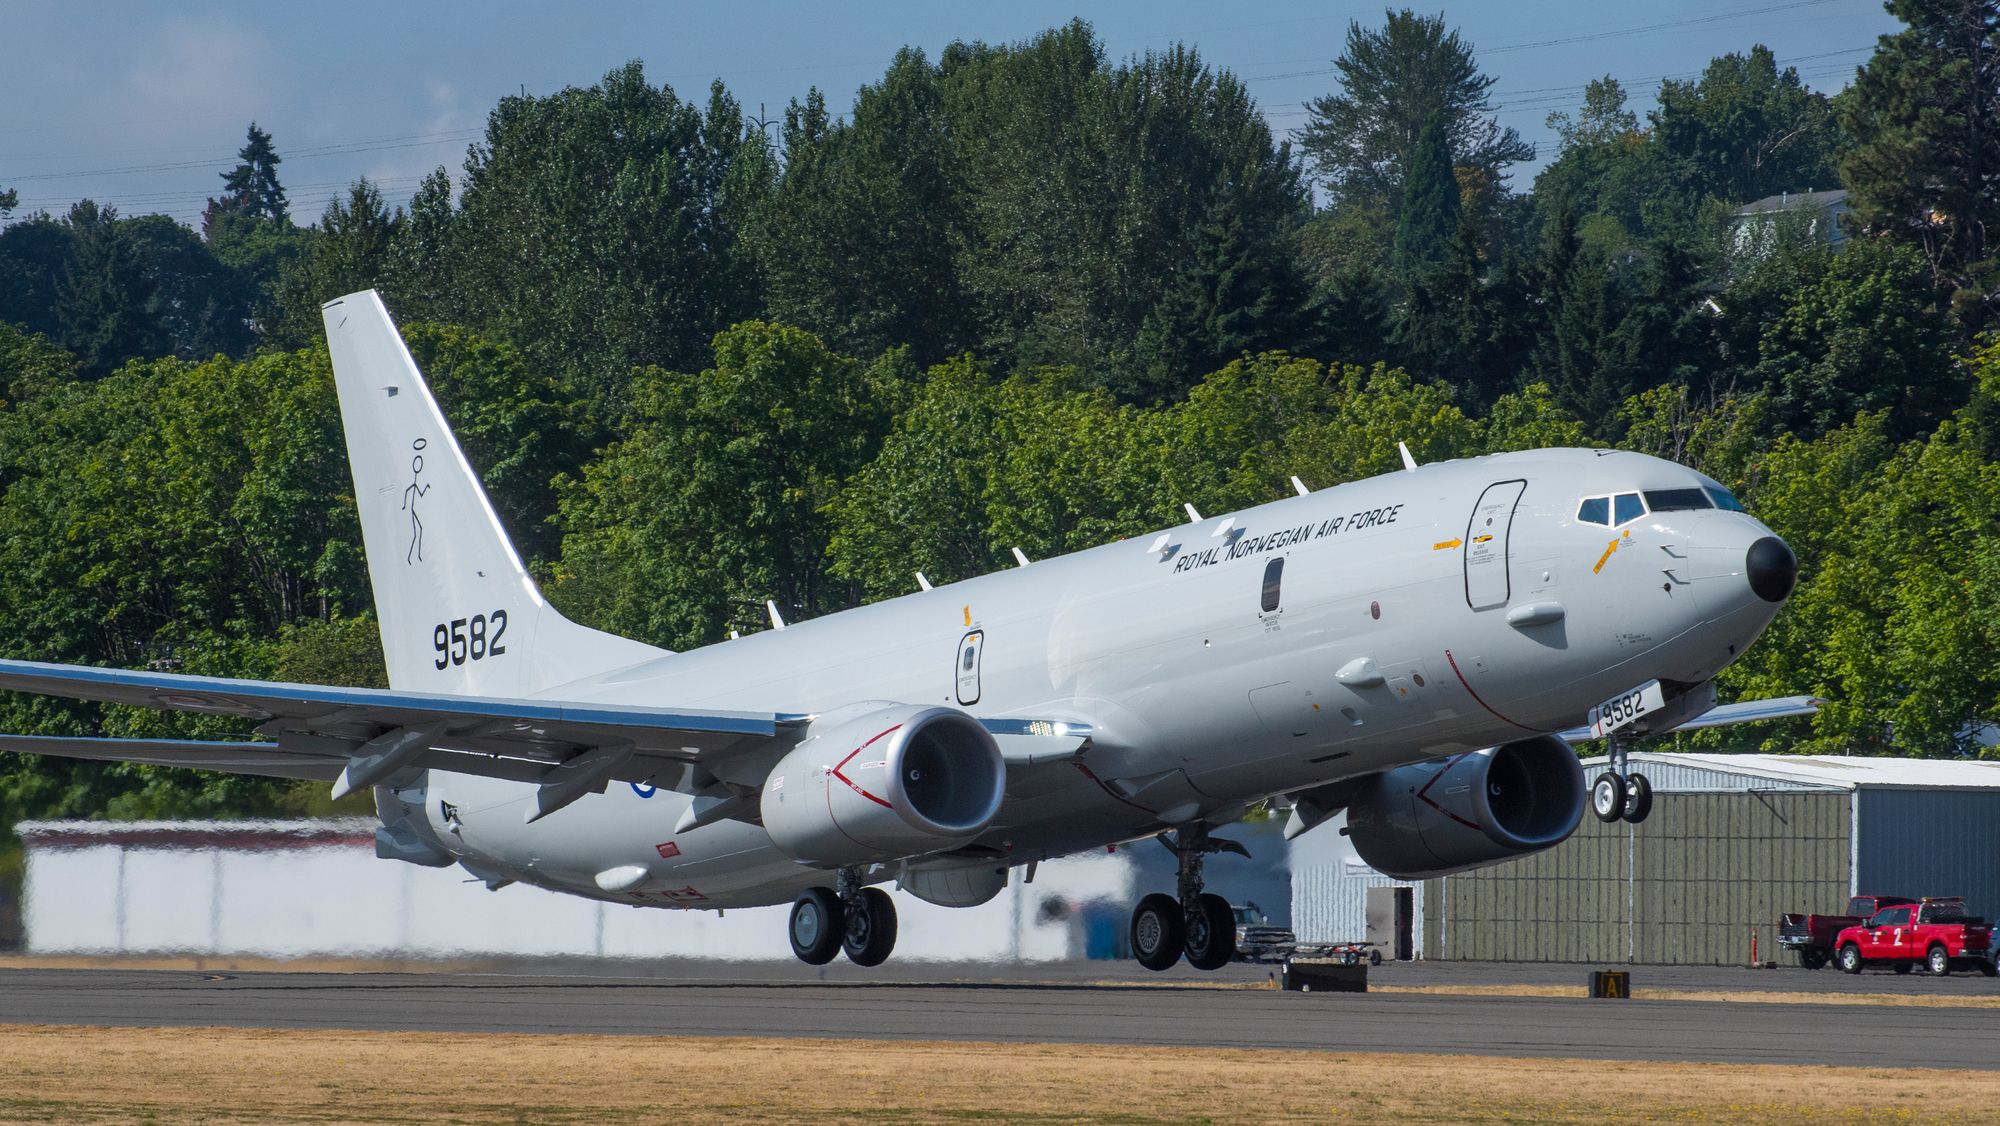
414,490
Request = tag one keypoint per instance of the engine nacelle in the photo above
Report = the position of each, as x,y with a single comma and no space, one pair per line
883,782
1453,815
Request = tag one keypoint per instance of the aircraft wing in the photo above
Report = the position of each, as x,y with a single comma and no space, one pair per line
361,735
1724,715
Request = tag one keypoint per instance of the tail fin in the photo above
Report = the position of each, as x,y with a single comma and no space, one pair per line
460,614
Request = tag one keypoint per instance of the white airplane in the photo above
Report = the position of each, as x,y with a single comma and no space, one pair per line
1406,648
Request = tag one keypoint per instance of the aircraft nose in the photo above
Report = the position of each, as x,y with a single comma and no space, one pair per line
1771,568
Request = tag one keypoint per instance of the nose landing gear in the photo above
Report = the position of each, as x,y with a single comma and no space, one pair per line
1199,925
860,920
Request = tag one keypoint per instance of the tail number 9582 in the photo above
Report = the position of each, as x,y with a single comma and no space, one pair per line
469,639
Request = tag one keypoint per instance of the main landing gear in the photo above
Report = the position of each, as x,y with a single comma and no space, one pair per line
1619,794
1195,924
859,920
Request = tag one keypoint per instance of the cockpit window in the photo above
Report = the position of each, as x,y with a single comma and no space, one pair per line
1676,500
1625,507
1594,510
1723,499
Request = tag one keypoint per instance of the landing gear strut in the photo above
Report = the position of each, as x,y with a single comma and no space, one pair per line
860,920
1194,923
1618,793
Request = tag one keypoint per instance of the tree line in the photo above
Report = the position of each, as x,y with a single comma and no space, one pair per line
1025,295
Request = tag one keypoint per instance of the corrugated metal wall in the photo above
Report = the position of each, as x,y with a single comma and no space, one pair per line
1329,904
1688,886
1931,842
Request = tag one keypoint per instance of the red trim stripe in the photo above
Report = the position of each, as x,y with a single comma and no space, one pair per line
1424,795
850,758
1475,696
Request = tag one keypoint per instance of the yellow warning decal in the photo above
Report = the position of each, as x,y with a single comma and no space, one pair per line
1607,554
1481,539
1446,544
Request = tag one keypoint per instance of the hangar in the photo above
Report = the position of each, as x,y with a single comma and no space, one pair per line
1733,841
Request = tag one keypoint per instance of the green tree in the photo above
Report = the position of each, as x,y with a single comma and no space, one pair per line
1429,219
1923,112
1394,80
1745,129
103,303
713,500
31,365
251,189
348,252
1866,334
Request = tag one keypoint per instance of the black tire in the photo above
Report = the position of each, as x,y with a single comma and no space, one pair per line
1811,958
1937,960
870,933
1849,958
1638,798
1902,967
1988,968
816,927
1374,957
1209,933
1607,797
1157,936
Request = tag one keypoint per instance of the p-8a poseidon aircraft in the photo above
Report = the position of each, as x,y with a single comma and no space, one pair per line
1405,648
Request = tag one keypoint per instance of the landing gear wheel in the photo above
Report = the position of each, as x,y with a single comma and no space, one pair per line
1937,961
1211,933
1607,797
1157,936
816,926
1849,959
871,931
1638,798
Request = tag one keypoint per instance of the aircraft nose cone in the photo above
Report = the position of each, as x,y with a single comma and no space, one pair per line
1771,568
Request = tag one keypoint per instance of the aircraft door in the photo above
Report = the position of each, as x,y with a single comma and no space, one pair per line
1486,580
967,666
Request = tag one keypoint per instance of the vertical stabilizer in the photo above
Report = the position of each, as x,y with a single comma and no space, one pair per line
459,613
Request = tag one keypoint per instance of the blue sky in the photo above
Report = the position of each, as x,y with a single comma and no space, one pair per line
143,105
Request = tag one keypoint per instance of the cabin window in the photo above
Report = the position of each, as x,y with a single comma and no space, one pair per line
1625,507
1594,510
1676,500
1723,499
1274,574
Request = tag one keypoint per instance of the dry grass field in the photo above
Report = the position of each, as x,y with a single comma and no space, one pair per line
182,1075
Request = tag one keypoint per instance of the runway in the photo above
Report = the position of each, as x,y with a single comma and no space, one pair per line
1059,1004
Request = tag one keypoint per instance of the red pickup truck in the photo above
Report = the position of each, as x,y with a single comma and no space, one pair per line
1810,937
1936,932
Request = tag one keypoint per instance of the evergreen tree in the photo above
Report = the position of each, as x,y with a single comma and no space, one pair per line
251,189
1429,219
1239,293
348,251
1394,81
1925,114
103,303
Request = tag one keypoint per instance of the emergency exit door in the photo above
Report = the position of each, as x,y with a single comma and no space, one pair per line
968,666
1486,583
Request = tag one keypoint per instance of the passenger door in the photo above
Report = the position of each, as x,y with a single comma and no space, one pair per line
1486,581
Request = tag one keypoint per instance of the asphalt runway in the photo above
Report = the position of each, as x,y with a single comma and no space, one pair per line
1072,1003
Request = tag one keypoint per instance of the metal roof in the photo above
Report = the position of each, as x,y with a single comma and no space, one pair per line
1670,772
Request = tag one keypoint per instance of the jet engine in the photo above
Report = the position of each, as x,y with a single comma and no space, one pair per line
881,782
1451,815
